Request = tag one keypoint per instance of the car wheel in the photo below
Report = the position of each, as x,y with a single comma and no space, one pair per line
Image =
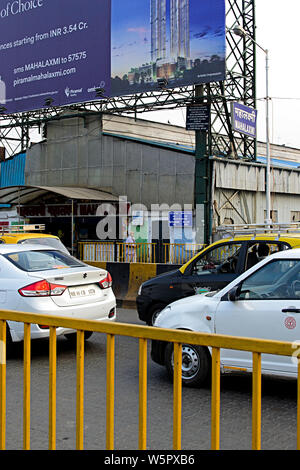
9,342
73,336
196,364
154,312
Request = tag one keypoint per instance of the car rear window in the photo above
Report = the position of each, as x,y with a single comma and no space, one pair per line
42,260
53,242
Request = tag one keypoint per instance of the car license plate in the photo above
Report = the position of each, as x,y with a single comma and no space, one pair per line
81,291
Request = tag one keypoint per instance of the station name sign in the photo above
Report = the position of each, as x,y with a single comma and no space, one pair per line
244,119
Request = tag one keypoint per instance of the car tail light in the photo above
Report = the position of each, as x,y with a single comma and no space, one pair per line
111,313
106,282
42,289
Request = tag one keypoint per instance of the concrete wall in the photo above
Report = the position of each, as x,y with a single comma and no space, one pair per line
76,153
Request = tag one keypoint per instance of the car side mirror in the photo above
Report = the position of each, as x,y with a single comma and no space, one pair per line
234,293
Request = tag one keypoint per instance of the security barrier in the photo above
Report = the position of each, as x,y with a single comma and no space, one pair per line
127,277
143,334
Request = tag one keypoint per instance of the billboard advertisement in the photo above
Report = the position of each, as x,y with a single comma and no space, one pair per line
166,42
59,52
53,49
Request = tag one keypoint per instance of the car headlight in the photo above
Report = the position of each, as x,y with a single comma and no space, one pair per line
140,289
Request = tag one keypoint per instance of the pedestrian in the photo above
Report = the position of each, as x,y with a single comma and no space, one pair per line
130,248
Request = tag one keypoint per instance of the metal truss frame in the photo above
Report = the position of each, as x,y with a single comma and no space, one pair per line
16,129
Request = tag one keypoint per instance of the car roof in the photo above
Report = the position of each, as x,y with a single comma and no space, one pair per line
14,248
25,236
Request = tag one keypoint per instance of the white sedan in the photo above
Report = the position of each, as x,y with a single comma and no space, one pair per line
264,302
40,279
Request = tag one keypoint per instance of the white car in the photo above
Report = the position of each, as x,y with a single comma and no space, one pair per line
40,279
264,302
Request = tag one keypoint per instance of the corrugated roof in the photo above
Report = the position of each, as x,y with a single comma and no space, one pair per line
12,171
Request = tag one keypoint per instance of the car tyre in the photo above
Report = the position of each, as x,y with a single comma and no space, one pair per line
9,342
196,364
72,337
154,312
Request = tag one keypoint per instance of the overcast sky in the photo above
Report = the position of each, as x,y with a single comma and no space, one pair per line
278,30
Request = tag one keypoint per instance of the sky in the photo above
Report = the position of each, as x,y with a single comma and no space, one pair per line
277,29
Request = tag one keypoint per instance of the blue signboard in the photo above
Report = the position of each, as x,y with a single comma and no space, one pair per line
53,51
181,219
244,119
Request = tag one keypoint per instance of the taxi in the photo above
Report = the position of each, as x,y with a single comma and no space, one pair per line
214,267
263,302
29,234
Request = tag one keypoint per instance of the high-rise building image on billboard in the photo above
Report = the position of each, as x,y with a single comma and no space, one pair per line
166,42
180,29
158,29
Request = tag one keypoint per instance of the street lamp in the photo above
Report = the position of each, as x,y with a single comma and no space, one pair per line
239,31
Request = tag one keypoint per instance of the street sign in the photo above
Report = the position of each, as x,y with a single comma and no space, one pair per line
243,119
197,117
181,219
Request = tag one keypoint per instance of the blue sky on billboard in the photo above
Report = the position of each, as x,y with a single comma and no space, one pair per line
142,34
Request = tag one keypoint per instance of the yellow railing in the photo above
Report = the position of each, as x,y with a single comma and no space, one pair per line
121,252
180,253
143,333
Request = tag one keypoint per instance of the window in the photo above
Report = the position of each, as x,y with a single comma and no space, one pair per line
221,259
52,242
279,279
258,251
42,260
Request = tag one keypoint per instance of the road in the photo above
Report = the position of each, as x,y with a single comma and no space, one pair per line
278,402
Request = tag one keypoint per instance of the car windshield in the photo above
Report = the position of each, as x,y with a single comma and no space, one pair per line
42,260
49,241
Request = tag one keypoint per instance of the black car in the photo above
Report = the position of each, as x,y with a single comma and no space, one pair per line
211,269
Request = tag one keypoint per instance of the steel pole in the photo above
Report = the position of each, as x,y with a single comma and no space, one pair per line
268,152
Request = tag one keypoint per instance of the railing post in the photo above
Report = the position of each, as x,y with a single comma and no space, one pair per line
110,391
26,387
177,398
2,384
215,400
52,388
143,394
80,389
256,402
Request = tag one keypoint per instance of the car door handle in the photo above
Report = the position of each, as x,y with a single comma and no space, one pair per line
291,310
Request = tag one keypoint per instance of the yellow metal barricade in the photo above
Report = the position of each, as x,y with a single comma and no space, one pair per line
122,252
143,334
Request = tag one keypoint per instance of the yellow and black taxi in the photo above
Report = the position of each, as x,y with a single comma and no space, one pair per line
20,235
211,269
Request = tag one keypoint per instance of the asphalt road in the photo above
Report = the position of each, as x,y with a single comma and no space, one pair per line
278,402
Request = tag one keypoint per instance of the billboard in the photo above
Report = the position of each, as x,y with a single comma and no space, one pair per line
53,49
59,52
166,42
